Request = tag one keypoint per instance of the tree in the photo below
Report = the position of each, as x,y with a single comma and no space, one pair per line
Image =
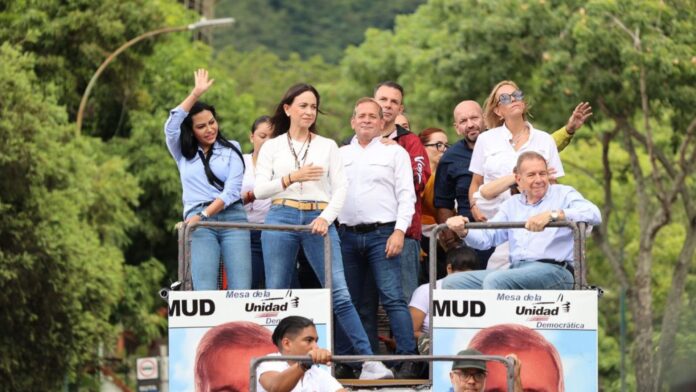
634,62
67,208
71,38
308,28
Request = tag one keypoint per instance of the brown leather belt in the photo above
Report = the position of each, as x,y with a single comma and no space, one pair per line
302,205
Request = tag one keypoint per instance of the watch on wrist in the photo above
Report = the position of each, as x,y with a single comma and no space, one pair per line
304,366
554,215
203,215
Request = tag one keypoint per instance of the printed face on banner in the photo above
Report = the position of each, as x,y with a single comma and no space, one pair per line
229,371
553,334
538,373
213,335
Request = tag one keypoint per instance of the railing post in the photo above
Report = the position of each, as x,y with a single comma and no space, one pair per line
582,254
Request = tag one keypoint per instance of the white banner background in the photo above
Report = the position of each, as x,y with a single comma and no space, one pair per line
566,319
193,313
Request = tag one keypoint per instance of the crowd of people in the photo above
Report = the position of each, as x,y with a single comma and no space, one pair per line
377,198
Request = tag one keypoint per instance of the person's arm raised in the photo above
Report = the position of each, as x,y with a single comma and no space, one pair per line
201,84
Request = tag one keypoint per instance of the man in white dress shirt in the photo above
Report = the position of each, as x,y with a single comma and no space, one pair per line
296,335
377,211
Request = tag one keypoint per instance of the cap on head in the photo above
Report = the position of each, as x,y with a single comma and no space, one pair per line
469,363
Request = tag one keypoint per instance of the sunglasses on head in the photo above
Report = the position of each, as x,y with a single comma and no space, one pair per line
506,99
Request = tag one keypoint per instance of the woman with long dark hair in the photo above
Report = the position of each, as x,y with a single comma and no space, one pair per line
303,174
211,170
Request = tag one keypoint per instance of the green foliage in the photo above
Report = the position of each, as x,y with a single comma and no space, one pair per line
561,53
264,77
451,50
306,27
60,264
135,308
71,39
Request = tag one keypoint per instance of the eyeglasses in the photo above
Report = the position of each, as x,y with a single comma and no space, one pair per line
440,146
506,99
477,376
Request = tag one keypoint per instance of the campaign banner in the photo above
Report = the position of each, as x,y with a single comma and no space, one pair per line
553,333
214,334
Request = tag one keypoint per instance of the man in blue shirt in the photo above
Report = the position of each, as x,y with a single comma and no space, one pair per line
453,178
540,258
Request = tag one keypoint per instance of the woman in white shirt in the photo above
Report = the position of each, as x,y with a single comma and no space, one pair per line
303,174
256,209
497,149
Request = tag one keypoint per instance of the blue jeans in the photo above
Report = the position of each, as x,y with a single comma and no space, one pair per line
368,303
410,264
280,250
366,251
207,244
258,280
522,275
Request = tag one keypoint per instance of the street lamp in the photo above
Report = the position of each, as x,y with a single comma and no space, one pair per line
194,26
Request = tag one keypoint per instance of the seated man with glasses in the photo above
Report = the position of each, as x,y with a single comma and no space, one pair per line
540,259
469,375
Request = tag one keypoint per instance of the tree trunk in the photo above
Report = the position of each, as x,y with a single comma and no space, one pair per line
642,317
670,320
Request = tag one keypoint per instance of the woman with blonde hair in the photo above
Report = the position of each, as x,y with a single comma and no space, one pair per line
505,112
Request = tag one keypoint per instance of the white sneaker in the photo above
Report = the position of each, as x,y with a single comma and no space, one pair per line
374,370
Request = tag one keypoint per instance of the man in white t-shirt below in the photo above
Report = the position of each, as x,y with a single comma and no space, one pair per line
297,335
460,259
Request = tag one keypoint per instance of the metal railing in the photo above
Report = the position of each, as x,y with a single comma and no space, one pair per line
184,238
508,362
579,237
184,272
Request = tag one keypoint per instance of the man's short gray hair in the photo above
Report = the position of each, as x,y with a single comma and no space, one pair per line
364,100
528,156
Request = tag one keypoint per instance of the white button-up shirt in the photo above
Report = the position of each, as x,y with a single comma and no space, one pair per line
380,184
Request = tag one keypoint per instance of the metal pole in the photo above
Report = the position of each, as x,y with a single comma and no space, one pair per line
181,272
432,279
112,56
328,284
188,229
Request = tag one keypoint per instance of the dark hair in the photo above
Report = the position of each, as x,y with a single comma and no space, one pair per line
426,133
187,139
189,143
462,259
290,327
260,120
280,121
391,84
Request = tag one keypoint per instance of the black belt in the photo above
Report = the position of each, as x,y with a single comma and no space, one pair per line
366,227
206,204
564,264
